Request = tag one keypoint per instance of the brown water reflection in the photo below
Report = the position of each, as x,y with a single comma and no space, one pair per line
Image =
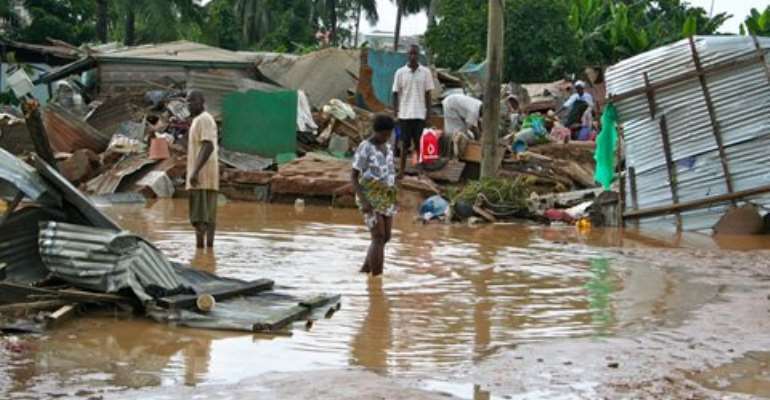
451,296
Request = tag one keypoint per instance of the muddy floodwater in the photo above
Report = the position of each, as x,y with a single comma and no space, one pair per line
456,309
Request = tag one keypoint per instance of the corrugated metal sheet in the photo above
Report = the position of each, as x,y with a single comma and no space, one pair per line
25,178
19,245
216,86
68,133
741,98
108,182
108,117
15,137
323,75
182,51
107,261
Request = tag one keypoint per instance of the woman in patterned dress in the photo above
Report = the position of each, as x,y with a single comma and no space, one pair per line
374,182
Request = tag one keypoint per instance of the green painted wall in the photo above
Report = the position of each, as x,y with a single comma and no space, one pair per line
260,123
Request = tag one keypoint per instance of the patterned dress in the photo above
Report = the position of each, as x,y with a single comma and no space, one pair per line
377,170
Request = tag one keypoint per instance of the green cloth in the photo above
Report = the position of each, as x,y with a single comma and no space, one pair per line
606,145
203,206
381,197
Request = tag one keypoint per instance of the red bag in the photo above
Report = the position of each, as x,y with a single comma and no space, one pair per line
429,146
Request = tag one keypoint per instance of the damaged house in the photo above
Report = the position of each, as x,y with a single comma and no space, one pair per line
696,122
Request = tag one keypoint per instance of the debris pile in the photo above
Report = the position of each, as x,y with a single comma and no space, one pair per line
60,256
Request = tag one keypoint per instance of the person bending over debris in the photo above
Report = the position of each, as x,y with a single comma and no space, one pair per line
462,120
412,88
374,183
202,170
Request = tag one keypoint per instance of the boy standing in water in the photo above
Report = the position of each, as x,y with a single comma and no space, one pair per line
374,183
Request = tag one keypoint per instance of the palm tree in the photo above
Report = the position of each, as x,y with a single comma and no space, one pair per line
405,8
102,20
368,7
254,17
158,20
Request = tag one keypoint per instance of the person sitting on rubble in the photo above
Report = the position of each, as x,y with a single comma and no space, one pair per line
202,170
462,120
374,183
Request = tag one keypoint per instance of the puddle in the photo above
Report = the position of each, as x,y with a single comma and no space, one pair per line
749,374
451,296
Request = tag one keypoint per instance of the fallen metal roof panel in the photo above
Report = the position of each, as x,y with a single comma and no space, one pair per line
68,133
182,51
108,182
114,111
107,261
26,179
740,95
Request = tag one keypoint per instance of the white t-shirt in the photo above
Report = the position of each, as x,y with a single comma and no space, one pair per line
575,97
461,112
411,87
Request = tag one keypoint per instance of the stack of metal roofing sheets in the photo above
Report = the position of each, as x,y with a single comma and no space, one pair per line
741,99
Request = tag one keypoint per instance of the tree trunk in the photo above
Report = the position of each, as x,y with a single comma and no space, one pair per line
101,20
491,122
397,35
432,8
358,25
333,22
130,38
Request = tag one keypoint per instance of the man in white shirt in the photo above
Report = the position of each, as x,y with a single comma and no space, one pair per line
580,94
462,113
412,88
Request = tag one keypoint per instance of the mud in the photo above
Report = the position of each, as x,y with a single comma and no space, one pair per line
490,312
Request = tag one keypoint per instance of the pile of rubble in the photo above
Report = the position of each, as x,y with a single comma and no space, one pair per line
60,256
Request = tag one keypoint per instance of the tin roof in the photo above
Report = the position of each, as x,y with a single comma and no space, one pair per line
68,133
182,51
739,93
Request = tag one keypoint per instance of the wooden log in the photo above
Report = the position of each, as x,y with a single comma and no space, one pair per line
185,301
712,116
695,204
71,295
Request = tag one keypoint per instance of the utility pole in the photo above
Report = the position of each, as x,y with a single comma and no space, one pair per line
491,124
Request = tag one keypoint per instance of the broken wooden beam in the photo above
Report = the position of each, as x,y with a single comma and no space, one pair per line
32,306
71,295
61,315
281,319
186,301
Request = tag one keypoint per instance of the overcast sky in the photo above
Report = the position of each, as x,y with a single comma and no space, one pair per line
415,25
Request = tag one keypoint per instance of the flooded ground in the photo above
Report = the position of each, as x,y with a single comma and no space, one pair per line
491,312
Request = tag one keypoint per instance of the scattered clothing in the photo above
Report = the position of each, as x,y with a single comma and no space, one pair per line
203,129
433,208
461,112
411,87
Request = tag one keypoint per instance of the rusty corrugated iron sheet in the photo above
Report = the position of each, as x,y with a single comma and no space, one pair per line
68,133
114,111
108,182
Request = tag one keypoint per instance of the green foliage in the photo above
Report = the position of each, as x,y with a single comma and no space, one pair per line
757,23
539,44
72,21
222,26
293,28
464,35
510,193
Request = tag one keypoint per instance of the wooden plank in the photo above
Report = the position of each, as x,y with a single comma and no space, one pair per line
32,306
186,301
713,69
670,167
695,204
761,56
650,95
72,295
281,319
634,192
61,315
318,301
712,115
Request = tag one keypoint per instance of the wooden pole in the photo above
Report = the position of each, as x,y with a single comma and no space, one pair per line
761,56
670,167
489,160
397,34
712,115
37,131
696,204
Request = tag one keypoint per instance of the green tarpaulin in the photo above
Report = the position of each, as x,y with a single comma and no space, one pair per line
606,144
262,123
